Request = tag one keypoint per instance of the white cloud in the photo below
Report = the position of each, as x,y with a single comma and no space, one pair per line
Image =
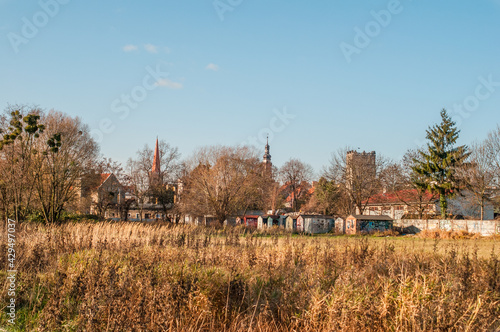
168,84
151,48
212,66
129,48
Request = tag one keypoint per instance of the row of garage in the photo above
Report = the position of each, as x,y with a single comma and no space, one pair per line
318,224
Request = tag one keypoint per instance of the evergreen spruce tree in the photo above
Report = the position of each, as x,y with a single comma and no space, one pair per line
437,167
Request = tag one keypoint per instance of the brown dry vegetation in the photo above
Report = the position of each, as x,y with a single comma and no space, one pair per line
135,277
443,234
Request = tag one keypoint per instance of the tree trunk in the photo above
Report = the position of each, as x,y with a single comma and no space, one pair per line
443,204
482,210
221,217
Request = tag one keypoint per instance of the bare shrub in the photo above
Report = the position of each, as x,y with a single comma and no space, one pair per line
443,234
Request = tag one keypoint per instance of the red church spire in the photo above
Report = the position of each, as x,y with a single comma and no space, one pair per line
156,160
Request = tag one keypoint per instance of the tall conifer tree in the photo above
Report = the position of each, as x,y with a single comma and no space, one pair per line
437,169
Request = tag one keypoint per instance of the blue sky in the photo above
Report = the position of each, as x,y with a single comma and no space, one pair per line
225,69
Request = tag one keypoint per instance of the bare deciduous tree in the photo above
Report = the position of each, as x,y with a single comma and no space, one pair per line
221,181
326,198
108,165
71,152
138,178
478,175
357,174
293,173
154,188
272,192
492,149
415,197
393,177
20,129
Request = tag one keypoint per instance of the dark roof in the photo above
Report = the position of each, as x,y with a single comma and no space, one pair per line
364,217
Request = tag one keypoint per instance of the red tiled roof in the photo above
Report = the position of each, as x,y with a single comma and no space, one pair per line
104,177
407,195
299,192
101,177
251,217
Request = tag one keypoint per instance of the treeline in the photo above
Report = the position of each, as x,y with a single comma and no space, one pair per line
222,181
43,157
437,172
47,159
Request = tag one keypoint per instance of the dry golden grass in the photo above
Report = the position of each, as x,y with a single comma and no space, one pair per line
135,277
442,234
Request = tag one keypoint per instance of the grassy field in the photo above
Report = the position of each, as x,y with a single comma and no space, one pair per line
135,277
